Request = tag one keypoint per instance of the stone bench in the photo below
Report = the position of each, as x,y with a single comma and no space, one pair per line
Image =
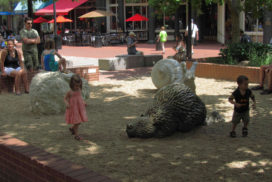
122,62
151,60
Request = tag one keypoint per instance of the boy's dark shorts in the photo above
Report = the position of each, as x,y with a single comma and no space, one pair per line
237,117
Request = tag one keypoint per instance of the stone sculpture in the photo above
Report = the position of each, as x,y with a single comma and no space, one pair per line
175,108
47,91
168,71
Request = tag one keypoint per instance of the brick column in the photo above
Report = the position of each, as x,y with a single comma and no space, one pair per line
151,25
100,5
121,14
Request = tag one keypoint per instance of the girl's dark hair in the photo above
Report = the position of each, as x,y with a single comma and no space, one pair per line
49,44
75,79
241,79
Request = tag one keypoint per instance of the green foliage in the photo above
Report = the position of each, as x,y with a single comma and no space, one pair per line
170,6
256,53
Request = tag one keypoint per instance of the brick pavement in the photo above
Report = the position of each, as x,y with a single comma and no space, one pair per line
203,50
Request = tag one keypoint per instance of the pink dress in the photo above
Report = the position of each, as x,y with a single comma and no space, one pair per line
76,113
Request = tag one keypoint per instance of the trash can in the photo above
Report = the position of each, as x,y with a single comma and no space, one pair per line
158,46
98,41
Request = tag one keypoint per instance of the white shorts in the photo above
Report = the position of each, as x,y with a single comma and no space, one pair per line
9,70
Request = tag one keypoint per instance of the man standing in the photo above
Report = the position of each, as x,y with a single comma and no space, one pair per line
30,39
195,35
244,37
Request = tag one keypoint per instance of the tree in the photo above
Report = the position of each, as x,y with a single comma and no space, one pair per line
236,6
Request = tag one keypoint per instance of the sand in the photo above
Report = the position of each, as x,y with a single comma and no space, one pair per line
205,154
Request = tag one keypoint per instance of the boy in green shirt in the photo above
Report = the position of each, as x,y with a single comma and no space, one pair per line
162,38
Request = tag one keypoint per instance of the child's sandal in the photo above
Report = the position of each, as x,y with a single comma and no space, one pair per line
78,138
72,131
244,132
232,134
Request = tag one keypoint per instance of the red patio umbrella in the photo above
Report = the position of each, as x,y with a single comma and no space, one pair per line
61,19
40,20
137,17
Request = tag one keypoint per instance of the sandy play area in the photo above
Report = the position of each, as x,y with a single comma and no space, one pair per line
206,154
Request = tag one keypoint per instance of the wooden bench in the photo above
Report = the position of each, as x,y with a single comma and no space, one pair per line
7,83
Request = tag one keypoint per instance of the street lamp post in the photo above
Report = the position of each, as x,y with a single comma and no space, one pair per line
189,37
55,25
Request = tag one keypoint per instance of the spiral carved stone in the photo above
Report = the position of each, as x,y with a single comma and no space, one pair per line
174,108
168,71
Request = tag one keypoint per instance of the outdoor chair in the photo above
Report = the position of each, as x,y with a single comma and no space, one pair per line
86,40
70,40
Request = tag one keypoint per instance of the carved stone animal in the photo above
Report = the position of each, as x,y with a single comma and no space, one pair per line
175,108
47,91
168,71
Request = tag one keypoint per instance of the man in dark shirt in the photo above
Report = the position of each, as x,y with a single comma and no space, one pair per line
240,99
244,37
131,45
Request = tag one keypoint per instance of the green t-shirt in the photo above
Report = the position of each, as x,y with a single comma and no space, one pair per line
30,34
163,36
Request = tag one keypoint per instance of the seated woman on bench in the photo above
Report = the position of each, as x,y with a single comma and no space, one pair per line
265,70
12,65
48,58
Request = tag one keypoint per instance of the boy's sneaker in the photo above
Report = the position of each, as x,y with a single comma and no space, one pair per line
232,134
244,132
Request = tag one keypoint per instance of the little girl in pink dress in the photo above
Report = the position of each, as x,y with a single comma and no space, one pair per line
75,106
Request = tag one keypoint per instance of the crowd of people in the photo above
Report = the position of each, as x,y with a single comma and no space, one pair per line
11,58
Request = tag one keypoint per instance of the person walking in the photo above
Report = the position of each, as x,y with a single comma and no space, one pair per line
162,38
30,39
75,106
195,34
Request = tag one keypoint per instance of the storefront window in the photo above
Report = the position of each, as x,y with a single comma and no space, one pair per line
169,20
136,1
131,10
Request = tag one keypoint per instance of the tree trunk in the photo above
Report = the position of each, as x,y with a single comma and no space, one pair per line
267,27
30,9
235,21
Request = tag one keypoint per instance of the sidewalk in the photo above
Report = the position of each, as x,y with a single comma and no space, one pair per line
203,50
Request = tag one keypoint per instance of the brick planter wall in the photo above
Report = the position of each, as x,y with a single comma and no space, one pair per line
226,72
90,73
21,162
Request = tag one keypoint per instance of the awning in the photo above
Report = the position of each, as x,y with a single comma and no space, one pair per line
62,7
22,7
40,20
2,13
96,14
60,19
5,13
137,17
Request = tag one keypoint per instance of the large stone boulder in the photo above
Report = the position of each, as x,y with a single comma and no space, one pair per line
168,71
174,108
47,91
